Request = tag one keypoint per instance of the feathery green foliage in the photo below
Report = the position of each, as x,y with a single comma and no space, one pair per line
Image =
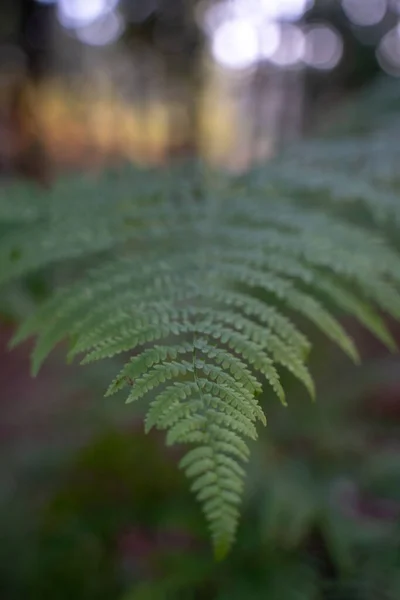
198,281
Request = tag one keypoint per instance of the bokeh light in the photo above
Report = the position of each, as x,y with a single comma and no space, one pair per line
395,5
388,52
270,39
291,49
242,33
290,10
235,44
323,47
246,32
80,13
105,30
286,9
365,13
211,15
248,9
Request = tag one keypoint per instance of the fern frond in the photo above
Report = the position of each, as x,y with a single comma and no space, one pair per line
204,287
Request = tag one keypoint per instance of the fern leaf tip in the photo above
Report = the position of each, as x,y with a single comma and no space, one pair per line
36,365
18,337
222,549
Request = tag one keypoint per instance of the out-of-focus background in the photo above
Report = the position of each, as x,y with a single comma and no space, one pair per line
229,78
91,508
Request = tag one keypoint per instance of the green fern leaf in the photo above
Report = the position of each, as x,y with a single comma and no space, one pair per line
200,291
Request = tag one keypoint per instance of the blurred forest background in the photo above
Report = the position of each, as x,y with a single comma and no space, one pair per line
90,508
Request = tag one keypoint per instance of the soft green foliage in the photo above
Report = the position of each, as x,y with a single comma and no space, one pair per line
201,279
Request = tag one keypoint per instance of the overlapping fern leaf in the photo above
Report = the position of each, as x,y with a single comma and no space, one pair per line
198,281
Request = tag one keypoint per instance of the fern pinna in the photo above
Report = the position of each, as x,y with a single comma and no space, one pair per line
198,279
